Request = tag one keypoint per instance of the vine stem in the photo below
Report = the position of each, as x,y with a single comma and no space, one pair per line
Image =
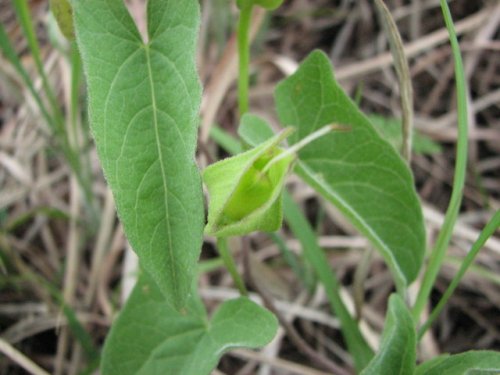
231,265
244,58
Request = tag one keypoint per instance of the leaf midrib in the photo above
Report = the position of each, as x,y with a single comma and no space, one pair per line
162,167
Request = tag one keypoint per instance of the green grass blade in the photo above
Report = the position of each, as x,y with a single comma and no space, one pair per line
55,118
11,55
293,261
486,233
439,251
301,228
24,17
477,269
225,140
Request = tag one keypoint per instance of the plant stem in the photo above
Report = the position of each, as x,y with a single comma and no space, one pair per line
231,265
303,142
244,57
439,251
487,232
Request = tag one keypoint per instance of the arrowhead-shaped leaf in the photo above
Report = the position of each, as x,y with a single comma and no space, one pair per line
144,100
398,349
468,363
150,337
357,170
244,196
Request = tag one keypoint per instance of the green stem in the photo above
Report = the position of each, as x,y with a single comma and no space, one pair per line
487,232
294,149
244,57
439,251
231,265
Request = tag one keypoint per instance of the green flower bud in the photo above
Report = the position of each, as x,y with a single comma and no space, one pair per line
245,190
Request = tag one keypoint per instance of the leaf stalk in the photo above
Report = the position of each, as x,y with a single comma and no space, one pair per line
304,142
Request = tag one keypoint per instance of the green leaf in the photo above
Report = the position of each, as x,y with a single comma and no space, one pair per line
63,14
398,348
144,101
254,130
150,337
244,195
473,362
357,171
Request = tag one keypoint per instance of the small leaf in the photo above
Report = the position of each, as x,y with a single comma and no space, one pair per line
398,349
64,16
144,100
469,363
357,171
254,130
150,337
244,195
